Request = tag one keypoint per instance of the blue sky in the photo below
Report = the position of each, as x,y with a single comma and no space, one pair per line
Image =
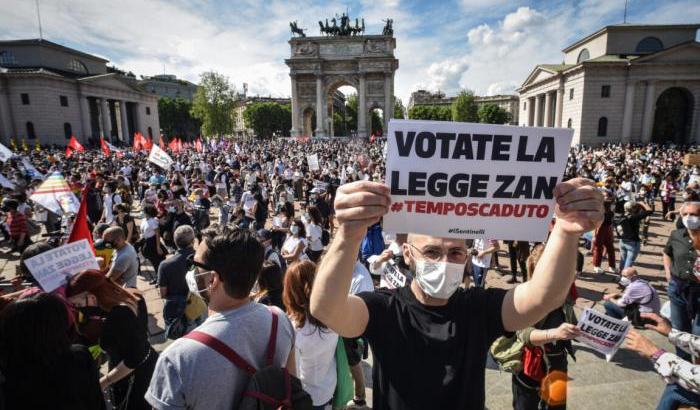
486,45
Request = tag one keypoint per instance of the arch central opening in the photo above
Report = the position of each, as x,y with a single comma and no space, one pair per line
342,109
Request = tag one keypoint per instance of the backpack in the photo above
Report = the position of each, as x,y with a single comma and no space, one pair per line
283,266
266,385
508,353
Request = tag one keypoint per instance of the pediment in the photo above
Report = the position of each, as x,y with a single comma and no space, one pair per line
110,81
538,74
688,53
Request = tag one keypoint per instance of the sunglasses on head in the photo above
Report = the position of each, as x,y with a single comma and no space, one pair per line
192,262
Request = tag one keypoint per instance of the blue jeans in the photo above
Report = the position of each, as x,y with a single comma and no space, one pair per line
613,310
628,253
674,396
479,274
681,318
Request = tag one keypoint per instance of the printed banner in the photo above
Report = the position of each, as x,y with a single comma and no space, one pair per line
30,170
5,153
313,162
465,180
603,333
160,158
55,195
53,268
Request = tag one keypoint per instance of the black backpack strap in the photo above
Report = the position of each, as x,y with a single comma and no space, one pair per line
272,343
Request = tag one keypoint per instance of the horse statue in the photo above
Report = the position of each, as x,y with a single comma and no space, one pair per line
388,28
296,30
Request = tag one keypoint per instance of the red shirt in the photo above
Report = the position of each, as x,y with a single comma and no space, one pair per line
17,223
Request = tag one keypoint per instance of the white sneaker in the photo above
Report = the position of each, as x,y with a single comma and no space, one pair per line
597,270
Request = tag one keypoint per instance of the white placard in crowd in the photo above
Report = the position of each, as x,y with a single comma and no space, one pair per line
5,153
53,268
160,157
465,180
313,162
603,333
29,168
6,183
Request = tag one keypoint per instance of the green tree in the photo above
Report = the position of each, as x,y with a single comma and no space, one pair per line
430,112
377,122
175,118
339,124
399,109
213,104
268,118
351,113
464,108
493,114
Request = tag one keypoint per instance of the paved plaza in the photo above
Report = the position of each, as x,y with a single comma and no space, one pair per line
626,382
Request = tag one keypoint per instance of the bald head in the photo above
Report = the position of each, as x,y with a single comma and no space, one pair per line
115,235
630,272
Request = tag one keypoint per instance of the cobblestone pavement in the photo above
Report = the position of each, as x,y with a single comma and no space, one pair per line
627,382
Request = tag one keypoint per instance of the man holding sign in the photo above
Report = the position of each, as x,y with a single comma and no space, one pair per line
430,338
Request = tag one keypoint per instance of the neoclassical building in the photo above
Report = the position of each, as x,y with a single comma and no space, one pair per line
623,83
49,92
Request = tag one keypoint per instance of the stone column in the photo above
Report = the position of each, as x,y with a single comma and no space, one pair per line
106,120
627,113
531,111
85,120
295,108
536,120
548,109
362,108
320,109
125,123
138,117
388,103
648,121
559,109
5,119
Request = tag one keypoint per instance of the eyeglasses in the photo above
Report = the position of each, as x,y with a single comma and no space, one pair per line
192,262
435,254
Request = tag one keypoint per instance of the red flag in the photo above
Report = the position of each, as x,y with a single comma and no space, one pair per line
75,145
179,145
372,138
69,152
80,227
173,145
137,142
147,143
105,148
198,145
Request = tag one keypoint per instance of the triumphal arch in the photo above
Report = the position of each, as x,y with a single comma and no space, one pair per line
341,55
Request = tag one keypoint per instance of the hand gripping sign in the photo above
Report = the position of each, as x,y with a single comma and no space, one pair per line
464,180
603,333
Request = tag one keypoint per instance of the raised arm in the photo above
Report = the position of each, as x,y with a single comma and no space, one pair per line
579,209
357,205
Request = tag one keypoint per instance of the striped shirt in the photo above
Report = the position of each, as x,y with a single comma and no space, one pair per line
17,223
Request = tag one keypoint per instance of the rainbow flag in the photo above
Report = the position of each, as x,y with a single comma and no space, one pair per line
55,195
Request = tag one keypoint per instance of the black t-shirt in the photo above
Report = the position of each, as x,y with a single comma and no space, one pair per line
171,273
431,357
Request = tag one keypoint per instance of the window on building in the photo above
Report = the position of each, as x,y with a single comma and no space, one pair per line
30,130
649,45
583,56
150,132
571,93
148,110
568,123
7,58
525,105
603,127
77,66
25,98
605,91
64,101
67,130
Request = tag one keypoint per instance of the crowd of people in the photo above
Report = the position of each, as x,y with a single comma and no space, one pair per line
266,261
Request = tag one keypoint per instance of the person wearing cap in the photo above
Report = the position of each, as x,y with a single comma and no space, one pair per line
628,229
123,336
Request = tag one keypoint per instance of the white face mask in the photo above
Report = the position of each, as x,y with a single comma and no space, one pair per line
294,229
624,281
692,222
439,279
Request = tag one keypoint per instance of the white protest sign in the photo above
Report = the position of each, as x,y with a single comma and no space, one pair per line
464,180
160,157
5,153
53,268
603,333
30,169
6,183
312,160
